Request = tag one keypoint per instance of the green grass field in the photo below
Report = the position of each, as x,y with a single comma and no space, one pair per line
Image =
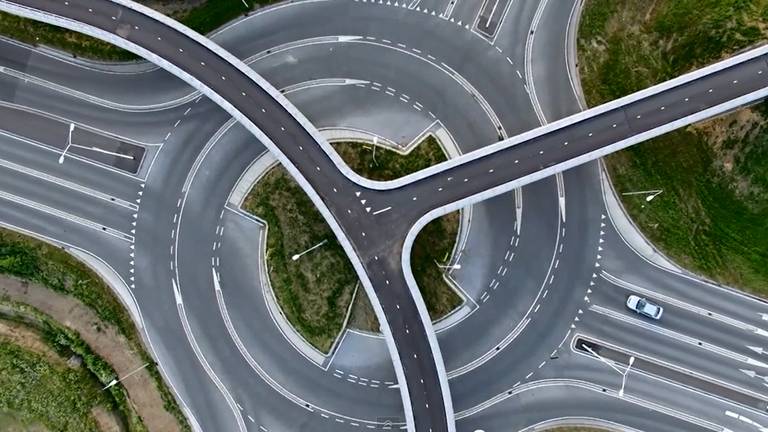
37,392
10,422
315,292
712,217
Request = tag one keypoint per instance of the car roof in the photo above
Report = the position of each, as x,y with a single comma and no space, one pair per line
651,307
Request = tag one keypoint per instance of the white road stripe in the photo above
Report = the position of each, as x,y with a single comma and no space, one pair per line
67,216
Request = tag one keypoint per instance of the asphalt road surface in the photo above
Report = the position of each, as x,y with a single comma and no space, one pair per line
504,359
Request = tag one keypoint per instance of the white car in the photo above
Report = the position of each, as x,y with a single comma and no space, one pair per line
644,307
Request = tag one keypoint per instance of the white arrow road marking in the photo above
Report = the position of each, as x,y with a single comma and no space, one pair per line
176,292
746,420
216,285
348,38
561,194
519,209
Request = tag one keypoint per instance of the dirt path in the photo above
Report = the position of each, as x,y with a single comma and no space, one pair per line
104,340
22,336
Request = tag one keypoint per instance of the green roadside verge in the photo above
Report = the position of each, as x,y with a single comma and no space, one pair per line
38,389
315,291
40,263
201,16
712,216
38,392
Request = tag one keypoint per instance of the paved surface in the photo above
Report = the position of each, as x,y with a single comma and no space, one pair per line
209,335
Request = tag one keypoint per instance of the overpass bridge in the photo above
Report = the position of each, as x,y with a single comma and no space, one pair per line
348,202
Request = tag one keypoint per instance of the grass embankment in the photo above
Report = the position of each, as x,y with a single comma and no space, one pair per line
315,292
40,388
203,17
713,214
58,397
38,262
12,423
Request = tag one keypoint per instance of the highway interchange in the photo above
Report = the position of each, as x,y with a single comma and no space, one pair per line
556,272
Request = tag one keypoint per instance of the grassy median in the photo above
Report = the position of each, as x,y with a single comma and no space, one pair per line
315,292
713,214
203,16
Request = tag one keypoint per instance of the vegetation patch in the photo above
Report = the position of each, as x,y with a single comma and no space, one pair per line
713,214
38,392
315,291
68,344
52,267
10,422
201,16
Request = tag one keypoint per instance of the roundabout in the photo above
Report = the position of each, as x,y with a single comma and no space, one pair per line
536,264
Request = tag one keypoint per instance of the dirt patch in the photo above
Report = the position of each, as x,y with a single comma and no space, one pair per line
104,340
362,316
22,336
735,125
106,420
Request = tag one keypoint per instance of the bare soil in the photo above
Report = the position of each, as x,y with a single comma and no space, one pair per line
106,420
22,336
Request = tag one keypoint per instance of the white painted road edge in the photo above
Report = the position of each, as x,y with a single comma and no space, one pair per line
356,263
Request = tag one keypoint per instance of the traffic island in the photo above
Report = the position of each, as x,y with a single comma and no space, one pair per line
319,291
700,194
